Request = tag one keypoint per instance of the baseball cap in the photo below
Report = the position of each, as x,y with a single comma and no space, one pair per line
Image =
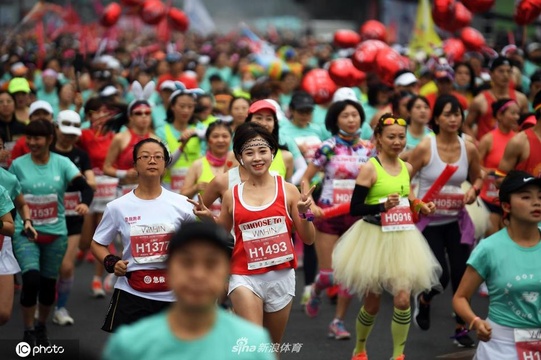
533,47
344,93
19,84
168,85
301,100
200,231
528,122
405,79
40,105
261,105
515,181
69,122
499,61
109,90
18,69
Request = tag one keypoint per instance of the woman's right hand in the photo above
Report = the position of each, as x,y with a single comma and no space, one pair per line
121,267
484,331
186,135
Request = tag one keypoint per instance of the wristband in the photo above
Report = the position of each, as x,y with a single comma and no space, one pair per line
121,174
476,189
31,222
473,322
308,215
416,205
109,263
382,207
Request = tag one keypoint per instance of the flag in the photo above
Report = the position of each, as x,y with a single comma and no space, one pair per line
200,20
424,36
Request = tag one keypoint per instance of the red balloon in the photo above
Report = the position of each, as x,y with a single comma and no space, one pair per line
472,39
132,2
178,19
478,6
443,11
364,56
110,15
343,73
454,50
373,30
346,38
152,12
388,63
462,17
319,85
527,11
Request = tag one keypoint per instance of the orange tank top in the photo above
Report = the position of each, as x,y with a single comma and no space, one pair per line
532,164
486,122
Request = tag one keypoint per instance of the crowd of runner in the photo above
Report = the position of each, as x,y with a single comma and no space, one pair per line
382,187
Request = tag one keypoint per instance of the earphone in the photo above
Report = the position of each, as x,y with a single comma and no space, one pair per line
272,157
241,162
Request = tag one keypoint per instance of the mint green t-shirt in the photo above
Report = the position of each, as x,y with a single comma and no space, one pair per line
6,205
41,185
513,277
412,142
10,183
290,130
318,116
231,338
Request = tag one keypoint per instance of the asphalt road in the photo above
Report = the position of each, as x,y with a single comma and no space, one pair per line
308,337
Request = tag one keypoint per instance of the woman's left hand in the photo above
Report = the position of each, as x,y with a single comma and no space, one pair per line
81,209
304,203
29,229
470,196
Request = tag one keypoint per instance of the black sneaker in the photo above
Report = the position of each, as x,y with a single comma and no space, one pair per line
29,337
462,339
421,315
41,335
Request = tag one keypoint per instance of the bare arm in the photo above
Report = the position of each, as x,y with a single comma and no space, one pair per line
310,172
304,228
474,111
485,145
215,189
474,173
112,155
226,215
191,187
8,227
288,161
24,213
90,179
420,156
512,154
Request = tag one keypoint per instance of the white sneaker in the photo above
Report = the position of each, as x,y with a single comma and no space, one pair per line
109,283
306,294
97,289
62,317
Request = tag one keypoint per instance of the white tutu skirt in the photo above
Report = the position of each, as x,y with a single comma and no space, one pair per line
367,259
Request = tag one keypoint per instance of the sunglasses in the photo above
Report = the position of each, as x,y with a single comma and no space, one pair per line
70,124
141,113
392,121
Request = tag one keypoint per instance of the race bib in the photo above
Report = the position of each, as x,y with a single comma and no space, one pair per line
342,191
8,146
449,201
149,243
528,344
267,242
177,178
43,208
216,207
124,189
311,145
398,218
105,189
492,190
71,200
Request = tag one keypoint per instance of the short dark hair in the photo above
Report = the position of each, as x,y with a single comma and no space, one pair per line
137,146
440,104
395,100
217,124
40,127
170,116
248,131
331,119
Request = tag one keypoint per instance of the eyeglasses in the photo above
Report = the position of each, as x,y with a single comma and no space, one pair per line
141,113
392,121
71,124
147,158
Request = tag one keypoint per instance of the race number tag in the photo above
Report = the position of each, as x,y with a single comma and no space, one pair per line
149,243
71,200
216,207
342,191
492,190
266,242
177,178
105,189
398,218
43,208
528,344
449,201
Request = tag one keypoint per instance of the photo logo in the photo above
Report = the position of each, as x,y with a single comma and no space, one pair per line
23,349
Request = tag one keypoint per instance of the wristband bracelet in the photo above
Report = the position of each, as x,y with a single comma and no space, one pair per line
416,205
476,189
31,222
121,174
473,322
308,215
109,263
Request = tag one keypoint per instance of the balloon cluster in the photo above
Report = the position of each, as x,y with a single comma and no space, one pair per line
152,12
450,15
527,11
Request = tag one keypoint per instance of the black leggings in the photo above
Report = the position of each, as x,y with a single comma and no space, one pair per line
445,240
310,264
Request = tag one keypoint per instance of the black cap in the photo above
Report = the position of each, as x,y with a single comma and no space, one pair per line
201,231
499,61
514,181
301,101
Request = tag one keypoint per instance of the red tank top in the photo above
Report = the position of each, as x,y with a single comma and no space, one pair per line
96,146
489,191
125,158
486,122
263,240
532,165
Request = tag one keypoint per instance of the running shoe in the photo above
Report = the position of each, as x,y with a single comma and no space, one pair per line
306,294
359,356
462,339
29,337
109,283
97,289
401,357
338,331
312,306
483,290
421,315
332,293
62,317
41,336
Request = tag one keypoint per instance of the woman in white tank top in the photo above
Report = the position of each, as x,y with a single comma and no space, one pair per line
450,232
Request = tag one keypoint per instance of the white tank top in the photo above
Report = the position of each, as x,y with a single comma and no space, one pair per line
233,176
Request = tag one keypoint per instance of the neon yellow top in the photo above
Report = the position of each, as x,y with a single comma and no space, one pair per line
278,165
387,184
192,151
206,171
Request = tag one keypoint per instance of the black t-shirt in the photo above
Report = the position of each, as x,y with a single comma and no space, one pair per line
78,157
11,131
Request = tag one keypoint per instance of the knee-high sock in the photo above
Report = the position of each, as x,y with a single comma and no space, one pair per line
363,326
324,279
63,290
399,329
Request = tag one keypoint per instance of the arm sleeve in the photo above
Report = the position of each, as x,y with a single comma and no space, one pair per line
87,194
358,206
300,167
